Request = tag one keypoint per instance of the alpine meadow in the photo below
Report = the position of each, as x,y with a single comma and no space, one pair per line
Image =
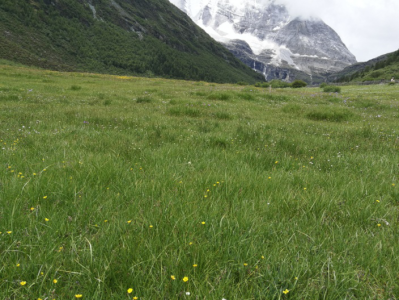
119,187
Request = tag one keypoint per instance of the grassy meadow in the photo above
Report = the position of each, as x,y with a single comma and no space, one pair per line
136,188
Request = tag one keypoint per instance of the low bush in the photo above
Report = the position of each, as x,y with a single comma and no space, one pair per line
298,84
262,84
332,89
323,85
278,84
76,88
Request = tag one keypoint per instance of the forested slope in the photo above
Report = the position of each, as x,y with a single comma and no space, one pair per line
140,37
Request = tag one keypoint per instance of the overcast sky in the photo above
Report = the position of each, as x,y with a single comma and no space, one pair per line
369,28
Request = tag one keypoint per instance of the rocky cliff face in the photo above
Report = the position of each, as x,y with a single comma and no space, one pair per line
265,37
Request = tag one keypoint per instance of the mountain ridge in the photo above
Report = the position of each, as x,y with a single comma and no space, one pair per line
280,44
141,37
383,67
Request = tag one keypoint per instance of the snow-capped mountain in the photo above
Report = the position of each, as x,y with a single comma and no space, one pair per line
264,35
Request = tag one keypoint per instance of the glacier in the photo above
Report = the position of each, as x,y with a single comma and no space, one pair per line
266,37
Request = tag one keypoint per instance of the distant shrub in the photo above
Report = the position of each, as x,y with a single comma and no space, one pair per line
332,89
323,85
107,102
242,83
298,84
278,84
262,84
76,88
391,83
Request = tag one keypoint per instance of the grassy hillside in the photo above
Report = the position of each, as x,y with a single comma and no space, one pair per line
381,68
166,187
148,37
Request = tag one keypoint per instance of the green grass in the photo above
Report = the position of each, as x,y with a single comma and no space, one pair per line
125,182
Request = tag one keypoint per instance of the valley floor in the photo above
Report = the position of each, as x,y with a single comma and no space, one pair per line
135,188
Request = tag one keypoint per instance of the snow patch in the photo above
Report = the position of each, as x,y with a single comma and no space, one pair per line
226,32
93,9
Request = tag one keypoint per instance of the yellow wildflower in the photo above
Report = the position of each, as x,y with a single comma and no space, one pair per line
173,277
185,279
22,283
286,292
129,291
